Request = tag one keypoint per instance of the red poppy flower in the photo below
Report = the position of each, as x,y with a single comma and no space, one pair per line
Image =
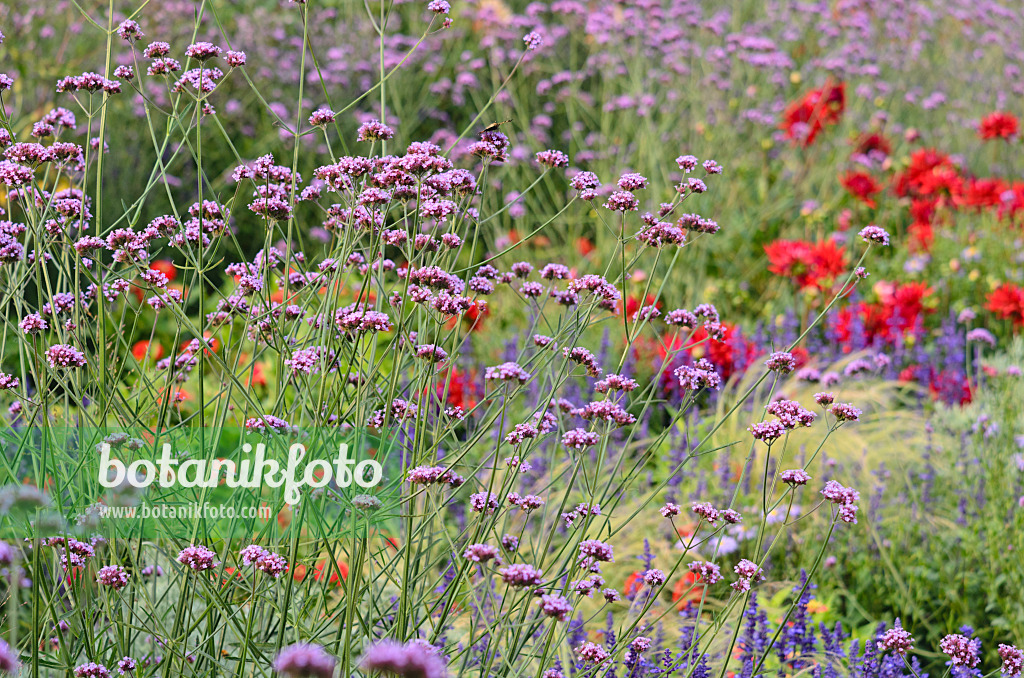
687,589
165,266
300,570
141,348
1007,301
634,583
998,125
862,186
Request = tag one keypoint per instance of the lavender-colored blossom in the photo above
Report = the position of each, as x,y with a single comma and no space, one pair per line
304,660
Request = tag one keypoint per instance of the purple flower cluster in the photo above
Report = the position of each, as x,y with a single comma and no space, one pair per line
843,497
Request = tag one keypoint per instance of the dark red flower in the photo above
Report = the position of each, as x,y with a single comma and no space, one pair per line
873,142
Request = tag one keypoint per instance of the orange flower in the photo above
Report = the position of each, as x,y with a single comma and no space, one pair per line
143,348
165,266
687,589
300,570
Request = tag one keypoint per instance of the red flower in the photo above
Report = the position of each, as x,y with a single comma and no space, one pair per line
905,303
862,186
922,236
731,353
923,210
809,264
805,118
165,266
998,125
687,589
633,304
981,193
634,583
460,388
584,246
1007,301
143,347
1014,206
898,312
929,172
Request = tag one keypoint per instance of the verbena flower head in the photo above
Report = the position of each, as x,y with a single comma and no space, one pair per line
631,181
749,573
654,577
8,658
202,51
795,477
92,670
521,574
791,414
896,639
481,553
844,498
129,30
374,130
708,573
874,234
845,412
552,158
507,372
824,398
592,653
555,606
622,201
321,117
782,362
235,59
65,356
1013,660
768,431
670,510
439,6
304,660
580,439
962,651
114,576
533,40
198,558
706,511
